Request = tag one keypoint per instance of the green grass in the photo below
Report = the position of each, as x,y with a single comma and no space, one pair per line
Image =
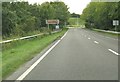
106,33
73,22
113,35
23,51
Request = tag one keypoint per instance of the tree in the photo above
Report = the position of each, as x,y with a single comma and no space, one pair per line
74,15
21,18
61,12
100,15
46,12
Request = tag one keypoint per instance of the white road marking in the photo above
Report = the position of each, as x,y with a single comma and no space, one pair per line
96,42
85,35
64,35
89,38
113,52
39,60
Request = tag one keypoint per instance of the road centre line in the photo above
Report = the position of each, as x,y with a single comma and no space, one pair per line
108,49
113,52
103,36
89,38
96,42
39,60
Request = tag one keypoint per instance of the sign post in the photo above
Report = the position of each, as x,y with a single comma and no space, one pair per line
48,22
48,26
115,23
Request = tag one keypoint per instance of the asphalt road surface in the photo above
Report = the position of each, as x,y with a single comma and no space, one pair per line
81,55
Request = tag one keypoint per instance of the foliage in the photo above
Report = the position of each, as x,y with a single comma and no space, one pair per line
74,21
20,18
74,15
61,12
100,15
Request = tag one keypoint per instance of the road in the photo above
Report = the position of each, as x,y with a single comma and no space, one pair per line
81,55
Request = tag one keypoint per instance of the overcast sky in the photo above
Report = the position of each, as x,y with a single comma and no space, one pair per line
75,6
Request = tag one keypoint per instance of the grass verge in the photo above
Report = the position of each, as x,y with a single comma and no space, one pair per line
107,33
23,51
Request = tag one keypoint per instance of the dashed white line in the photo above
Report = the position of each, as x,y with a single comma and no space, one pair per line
96,42
113,52
38,61
89,38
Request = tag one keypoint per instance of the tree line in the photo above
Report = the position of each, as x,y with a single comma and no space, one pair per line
20,18
100,15
74,15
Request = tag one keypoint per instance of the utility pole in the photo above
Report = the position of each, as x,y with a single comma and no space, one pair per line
77,21
48,26
65,24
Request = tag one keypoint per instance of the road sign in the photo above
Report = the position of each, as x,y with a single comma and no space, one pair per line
52,21
115,22
57,27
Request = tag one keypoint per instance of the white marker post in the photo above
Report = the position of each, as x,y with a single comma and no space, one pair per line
115,23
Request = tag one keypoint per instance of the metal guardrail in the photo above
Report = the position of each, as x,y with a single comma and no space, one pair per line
6,41
27,37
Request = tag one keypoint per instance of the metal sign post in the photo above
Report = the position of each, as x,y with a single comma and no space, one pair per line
48,22
115,23
48,26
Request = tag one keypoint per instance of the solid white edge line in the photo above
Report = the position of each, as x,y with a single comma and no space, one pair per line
38,61
96,42
113,52
64,35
